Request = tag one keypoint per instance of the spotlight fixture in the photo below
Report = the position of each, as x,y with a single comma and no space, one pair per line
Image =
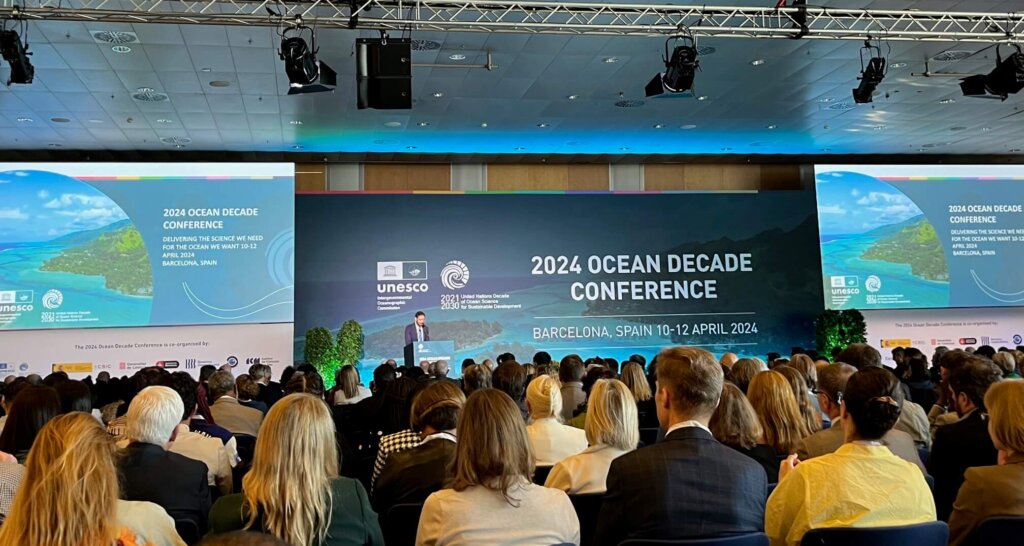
680,67
16,54
871,74
1006,79
305,73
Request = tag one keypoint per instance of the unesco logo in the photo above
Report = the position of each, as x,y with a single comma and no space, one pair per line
52,299
454,275
873,283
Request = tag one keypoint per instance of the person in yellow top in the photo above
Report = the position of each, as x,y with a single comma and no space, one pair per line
862,484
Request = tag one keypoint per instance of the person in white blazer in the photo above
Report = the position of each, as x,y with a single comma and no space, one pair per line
612,429
551,440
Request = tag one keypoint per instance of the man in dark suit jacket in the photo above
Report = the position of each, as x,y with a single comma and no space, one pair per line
687,485
270,391
964,443
412,331
151,473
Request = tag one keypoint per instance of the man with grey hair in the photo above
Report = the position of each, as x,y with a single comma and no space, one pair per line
151,473
227,411
270,391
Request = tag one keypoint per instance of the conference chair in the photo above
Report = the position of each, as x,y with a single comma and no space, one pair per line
928,479
402,521
587,508
188,530
540,475
923,452
771,488
1001,531
934,533
753,539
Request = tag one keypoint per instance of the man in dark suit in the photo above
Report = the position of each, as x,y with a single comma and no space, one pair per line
964,443
270,391
151,473
418,330
688,485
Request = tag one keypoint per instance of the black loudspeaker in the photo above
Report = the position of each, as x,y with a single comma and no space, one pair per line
384,73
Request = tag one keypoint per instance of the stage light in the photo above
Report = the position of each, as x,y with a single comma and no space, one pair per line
1006,78
305,73
871,74
680,68
16,54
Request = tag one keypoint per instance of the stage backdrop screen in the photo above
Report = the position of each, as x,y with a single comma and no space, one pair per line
919,236
89,245
596,274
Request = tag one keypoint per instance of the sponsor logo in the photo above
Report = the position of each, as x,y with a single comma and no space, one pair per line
847,281
4,366
167,364
132,365
401,271
72,367
892,343
103,366
23,367
873,283
252,361
232,361
16,296
967,341
190,363
454,275
53,299
985,340
1017,339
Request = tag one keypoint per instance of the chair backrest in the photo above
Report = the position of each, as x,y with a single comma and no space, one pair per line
540,475
928,479
923,453
998,530
752,539
402,521
246,446
935,533
587,507
188,530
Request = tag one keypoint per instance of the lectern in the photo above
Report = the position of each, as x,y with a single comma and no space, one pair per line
418,351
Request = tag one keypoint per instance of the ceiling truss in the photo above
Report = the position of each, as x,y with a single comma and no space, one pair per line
545,17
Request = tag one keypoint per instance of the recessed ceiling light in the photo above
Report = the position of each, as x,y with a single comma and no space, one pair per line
542,125
457,57
206,70
702,97
519,148
145,90
986,128
826,99
624,149
297,147
826,149
611,60
295,122
688,126
95,121
164,120
423,124
220,83
24,120
410,147
55,145
392,123
879,127
121,49
573,97
770,127
726,149
60,120
897,65
1014,150
757,62
438,95
947,101
179,146
484,124
658,126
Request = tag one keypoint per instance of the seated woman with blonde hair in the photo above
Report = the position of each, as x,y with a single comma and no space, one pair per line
782,424
550,440
69,494
994,490
612,430
293,490
491,499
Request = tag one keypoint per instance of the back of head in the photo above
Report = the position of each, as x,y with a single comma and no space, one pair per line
153,415
986,351
74,396
771,395
693,379
296,459
639,359
397,404
475,378
505,357
542,358
1006,422
860,356
12,389
744,370
734,422
29,412
634,378
349,380
973,379
951,360
611,365
873,399
918,364
803,364
69,488
493,450
510,378
612,416
220,384
437,406
571,369
305,383
382,376
188,391
1006,362
247,387
832,380
728,359
206,371
259,372
544,395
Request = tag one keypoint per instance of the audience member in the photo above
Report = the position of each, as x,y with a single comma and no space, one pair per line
922,390
69,494
636,382
146,377
1007,364
411,475
727,360
397,425
986,351
542,358
217,457
476,377
965,443
270,391
145,465
805,365
772,398
32,408
205,372
439,370
11,390
550,440
611,429
735,424
811,417
248,392
570,373
367,411
347,389
651,491
307,381
830,490
491,499
227,411
74,396
293,490
510,378
744,370
612,366
994,491
831,384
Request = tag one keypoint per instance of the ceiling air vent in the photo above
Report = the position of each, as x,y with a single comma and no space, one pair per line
176,140
114,37
425,45
950,56
149,96
629,103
